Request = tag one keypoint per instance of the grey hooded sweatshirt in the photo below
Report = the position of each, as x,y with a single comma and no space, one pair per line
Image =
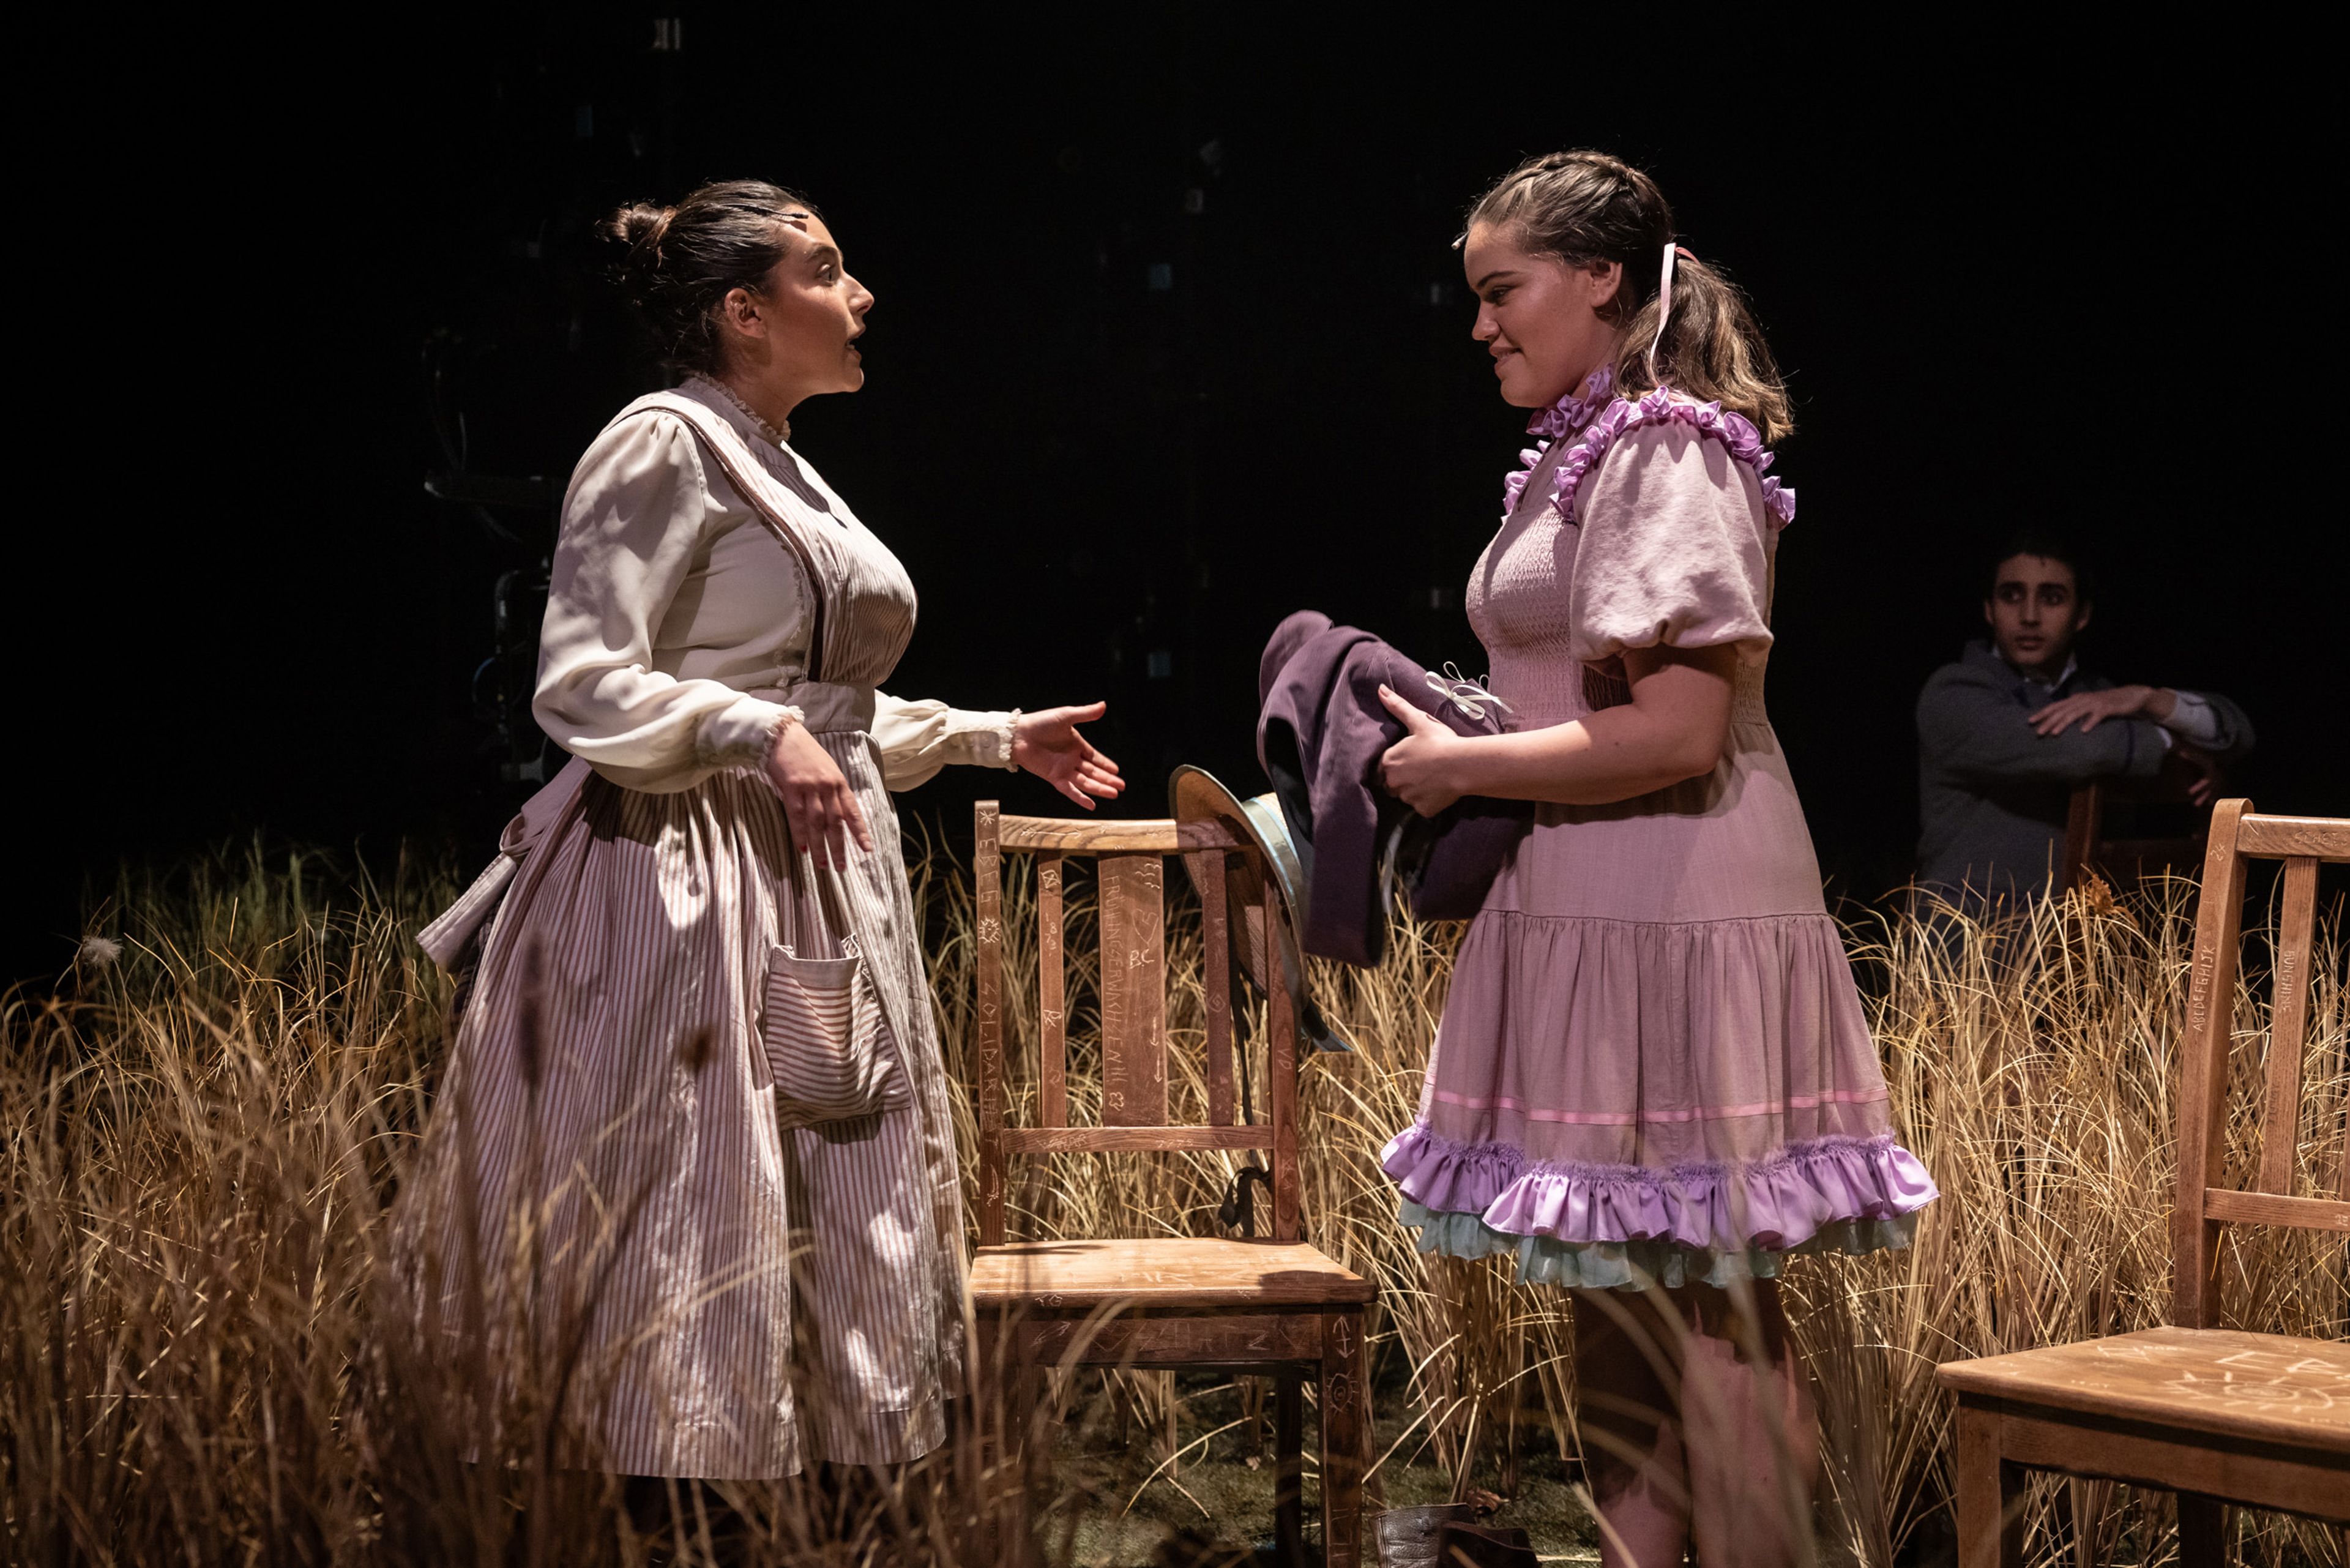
1992,793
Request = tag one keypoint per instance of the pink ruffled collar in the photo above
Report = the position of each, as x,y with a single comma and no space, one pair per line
1562,417
1595,423
1574,411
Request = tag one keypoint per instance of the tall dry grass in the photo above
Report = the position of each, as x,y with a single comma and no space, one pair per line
199,1361
200,1133
206,1352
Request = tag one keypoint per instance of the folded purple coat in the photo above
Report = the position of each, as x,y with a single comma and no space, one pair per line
1321,730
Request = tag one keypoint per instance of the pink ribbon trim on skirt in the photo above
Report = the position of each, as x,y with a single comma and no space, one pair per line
1633,1118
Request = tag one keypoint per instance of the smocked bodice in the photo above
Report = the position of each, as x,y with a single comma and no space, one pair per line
1671,540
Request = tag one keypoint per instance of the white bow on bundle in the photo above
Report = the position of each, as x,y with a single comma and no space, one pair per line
1462,692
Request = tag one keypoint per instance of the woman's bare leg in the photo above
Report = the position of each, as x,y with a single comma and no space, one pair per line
1752,1434
1632,1450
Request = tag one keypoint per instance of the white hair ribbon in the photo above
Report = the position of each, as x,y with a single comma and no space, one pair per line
1462,692
1664,305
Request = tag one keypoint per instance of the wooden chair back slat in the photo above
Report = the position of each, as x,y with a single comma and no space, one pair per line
2341,1168
2084,819
2288,1024
2204,1068
987,870
1207,867
1281,1055
1052,997
1133,990
2238,837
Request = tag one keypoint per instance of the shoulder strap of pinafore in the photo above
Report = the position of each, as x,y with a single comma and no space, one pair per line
757,486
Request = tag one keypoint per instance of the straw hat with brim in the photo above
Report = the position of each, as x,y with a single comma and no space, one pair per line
1194,795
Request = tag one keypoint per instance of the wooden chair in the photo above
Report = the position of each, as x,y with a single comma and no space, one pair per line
2217,1415
2124,862
1276,1307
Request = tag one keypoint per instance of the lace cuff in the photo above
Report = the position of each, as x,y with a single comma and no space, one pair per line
1000,729
743,733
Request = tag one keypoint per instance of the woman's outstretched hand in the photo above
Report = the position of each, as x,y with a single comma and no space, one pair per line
817,802
1047,744
1418,770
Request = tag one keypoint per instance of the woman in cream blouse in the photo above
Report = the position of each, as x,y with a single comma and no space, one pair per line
619,1165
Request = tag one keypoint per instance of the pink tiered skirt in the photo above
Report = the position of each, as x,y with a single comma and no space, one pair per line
1653,1064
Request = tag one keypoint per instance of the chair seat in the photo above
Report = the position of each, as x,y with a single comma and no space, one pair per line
2220,1382
1174,1271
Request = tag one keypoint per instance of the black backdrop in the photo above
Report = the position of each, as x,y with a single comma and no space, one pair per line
1170,342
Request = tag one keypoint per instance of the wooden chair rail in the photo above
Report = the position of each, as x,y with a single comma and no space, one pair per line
1194,1342
2308,1482
1158,836
1130,1140
2274,1208
2281,837
1325,1346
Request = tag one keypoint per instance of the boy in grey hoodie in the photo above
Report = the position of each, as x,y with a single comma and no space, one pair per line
2006,733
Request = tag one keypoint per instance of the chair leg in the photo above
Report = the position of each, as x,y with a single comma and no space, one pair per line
1289,1466
1008,1534
2202,1531
1990,1495
1346,1439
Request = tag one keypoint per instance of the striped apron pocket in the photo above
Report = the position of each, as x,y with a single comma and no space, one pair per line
826,1039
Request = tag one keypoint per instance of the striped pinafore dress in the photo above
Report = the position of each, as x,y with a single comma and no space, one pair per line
605,1182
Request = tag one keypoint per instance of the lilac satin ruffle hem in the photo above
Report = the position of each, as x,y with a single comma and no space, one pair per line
1777,1203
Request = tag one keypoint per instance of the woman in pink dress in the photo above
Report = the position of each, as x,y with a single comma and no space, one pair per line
1653,1073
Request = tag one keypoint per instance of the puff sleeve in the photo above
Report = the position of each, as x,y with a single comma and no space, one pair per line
633,526
1671,548
916,739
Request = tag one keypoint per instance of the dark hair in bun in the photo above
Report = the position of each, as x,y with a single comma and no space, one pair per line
681,261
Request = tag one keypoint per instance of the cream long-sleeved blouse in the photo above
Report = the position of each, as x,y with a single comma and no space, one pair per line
670,602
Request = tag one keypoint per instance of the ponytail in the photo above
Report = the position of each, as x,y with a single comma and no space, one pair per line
1712,350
